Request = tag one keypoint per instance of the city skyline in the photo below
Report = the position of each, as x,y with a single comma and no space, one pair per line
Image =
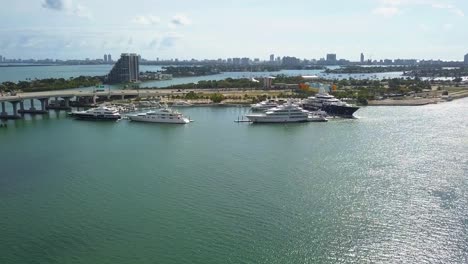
381,29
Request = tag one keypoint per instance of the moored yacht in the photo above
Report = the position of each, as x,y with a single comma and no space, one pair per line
287,113
99,113
264,105
162,115
328,103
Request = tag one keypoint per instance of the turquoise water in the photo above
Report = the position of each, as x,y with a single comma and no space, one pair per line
389,187
15,74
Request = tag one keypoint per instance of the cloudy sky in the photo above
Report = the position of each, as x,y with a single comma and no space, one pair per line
185,29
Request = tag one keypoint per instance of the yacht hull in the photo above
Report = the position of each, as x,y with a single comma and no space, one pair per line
343,111
96,117
158,120
266,119
335,110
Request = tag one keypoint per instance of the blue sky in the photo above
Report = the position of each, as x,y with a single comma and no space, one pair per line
186,29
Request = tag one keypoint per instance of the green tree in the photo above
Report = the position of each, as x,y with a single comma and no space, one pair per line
216,98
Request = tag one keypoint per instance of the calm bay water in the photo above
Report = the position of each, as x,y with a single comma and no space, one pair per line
15,74
389,187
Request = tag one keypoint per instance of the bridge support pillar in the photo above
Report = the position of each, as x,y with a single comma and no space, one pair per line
44,103
3,113
32,108
21,106
67,101
15,108
94,99
123,97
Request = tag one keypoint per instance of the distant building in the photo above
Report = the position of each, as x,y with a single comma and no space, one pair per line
362,58
466,59
267,82
236,61
331,57
126,69
388,61
405,62
291,61
109,58
245,61
1,58
272,58
105,57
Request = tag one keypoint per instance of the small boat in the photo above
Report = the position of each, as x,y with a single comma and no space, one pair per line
318,116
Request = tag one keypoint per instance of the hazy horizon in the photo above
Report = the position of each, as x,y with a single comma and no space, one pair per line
78,29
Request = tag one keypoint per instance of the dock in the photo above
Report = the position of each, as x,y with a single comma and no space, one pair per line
44,99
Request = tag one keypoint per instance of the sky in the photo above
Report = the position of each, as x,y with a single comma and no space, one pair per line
211,29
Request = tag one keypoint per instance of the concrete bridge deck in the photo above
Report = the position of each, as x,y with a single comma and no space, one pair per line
72,93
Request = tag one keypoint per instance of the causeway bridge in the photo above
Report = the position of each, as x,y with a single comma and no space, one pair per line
17,100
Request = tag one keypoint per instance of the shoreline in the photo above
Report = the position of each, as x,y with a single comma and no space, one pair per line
417,102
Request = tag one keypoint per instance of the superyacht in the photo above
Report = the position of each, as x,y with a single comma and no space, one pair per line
288,113
162,115
265,105
99,113
330,104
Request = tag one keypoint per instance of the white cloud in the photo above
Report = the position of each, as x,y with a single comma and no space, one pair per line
448,27
154,43
57,4
146,20
166,41
450,8
180,20
67,6
386,11
424,27
390,8
81,11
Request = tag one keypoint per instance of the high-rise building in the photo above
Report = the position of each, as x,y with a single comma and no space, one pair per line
1,58
272,58
245,61
331,57
362,58
105,57
126,69
109,58
291,61
466,59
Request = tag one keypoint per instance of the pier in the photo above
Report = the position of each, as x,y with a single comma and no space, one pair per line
44,98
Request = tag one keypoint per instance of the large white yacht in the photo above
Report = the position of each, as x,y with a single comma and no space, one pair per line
162,115
287,113
99,113
264,105
330,104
